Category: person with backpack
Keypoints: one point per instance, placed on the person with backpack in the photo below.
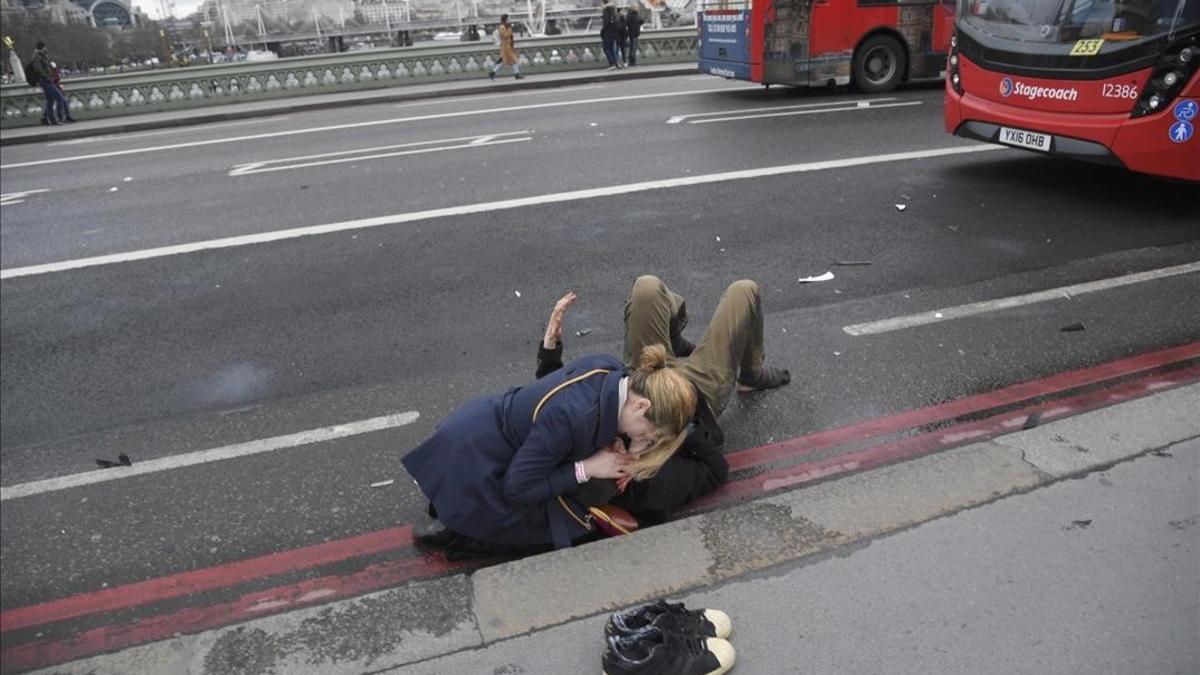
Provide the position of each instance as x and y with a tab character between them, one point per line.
39	73
633	27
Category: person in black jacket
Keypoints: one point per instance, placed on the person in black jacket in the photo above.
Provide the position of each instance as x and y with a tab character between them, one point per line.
56	110
608	34
622	39
633	24
731	350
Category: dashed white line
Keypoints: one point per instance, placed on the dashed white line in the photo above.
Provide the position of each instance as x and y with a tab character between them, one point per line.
9	198
743	111
205	456
361	154
974	308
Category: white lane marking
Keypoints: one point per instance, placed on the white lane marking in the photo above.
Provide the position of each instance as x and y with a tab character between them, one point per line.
353	125
511	94
486	207
807	112
342	156
212	455
971	309
822	104
165	132
9	198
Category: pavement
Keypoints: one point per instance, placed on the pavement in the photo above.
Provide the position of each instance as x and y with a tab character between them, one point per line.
249	110
1069	547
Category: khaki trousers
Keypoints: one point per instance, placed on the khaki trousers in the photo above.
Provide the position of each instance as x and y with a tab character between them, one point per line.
733	339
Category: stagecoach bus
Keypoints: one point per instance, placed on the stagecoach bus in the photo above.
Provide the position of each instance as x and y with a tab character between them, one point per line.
874	44
1108	81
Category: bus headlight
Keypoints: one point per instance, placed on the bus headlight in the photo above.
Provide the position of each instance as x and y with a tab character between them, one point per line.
1176	66
952	75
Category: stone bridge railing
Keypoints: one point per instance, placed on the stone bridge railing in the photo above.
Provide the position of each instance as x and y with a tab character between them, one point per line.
197	86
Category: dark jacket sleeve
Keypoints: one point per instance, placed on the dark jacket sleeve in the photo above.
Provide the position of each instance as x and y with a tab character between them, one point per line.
41	65
548	360
539	469
696	470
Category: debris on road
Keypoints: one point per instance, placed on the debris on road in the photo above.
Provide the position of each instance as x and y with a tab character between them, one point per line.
128	178
122	460
583	331
113	189
901	207
852	263
1032	421
518	293
383	483
1073	328
1078	524
820	277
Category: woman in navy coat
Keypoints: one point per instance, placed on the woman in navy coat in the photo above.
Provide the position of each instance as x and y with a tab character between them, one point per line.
495	468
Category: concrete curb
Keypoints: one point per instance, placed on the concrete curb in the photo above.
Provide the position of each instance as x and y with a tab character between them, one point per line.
300	105
428	619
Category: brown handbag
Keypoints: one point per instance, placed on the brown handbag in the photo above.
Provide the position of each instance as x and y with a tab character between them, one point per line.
609	519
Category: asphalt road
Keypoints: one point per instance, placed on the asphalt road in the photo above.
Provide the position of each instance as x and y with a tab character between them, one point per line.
170	354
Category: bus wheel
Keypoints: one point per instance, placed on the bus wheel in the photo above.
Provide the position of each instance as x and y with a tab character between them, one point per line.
879	65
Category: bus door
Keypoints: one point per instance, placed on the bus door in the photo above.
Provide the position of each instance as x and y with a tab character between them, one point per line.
727	28
831	47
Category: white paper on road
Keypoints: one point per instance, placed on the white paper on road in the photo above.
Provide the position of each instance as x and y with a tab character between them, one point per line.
828	276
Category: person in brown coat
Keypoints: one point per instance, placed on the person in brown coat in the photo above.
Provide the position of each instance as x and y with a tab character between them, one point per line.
508	54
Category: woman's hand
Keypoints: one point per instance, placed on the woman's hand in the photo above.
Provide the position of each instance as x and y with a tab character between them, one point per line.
607	462
554	326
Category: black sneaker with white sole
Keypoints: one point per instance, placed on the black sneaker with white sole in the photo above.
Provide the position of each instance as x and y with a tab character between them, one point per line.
702	622
654	651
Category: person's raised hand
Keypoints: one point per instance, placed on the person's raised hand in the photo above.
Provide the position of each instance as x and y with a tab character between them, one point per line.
554	325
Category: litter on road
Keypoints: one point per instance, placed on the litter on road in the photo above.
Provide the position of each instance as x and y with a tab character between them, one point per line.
383	483
851	263
583	331
1075	327
901	207
820	277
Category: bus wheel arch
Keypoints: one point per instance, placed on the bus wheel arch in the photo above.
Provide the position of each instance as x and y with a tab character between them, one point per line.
880	63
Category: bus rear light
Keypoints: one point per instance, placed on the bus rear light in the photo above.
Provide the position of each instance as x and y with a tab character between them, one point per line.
1177	66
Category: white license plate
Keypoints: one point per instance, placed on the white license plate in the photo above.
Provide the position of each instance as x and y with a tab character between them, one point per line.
1025	139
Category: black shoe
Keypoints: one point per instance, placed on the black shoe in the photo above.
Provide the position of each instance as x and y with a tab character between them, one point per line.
763	378
656	652
702	622
491	75
518	77
69	119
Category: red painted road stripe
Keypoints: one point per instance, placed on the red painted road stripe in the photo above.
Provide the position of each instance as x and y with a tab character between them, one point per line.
249	606
385	575
234	573
207	579
1010	395
916	446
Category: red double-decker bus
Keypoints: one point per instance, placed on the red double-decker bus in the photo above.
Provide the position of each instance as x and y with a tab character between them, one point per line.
874	44
1108	81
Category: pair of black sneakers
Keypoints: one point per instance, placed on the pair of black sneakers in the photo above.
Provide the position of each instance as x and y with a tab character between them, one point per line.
664	638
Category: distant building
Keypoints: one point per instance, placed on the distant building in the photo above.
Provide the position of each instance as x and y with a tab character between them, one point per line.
100	13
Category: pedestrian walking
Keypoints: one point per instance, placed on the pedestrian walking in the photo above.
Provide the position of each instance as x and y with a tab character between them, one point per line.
61	109
633	26
39	72
608	34
498	472
508	53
